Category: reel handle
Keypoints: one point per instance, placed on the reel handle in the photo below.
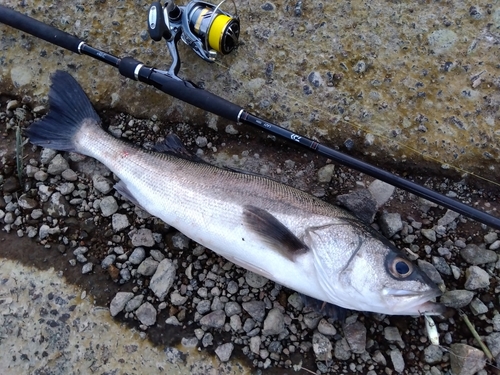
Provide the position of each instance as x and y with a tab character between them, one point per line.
157	26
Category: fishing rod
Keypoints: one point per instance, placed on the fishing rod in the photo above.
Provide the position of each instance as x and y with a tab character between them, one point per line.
208	30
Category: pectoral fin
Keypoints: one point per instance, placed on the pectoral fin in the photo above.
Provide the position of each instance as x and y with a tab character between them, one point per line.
272	231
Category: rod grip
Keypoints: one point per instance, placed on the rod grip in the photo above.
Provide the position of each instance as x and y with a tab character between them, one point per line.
39	29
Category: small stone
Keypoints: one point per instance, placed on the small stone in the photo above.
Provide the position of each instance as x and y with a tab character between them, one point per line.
490	237
201	141
47	154
493	342
87	268
466	360
477	278
137	255
397	360
391	334
311	320
148	267
119	222
142	237
255	280
231	308
207	339
457	298
119	301
180	241
256	309
342	350
134	303
108	206
69	175
360	203
108	261
255	344
381	191
448	217
224	351
296	301
430	234
57	165
235	323
355	333
433	354
390	223
478	307
322	347
496	322
163	279
274	323
430	271
495	245
325	328
474	255
102	184
325	173
203	306
26	202
441	265
230	129
177	299
146	314
215	319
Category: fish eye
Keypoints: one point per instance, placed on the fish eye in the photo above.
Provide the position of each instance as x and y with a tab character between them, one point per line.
401	267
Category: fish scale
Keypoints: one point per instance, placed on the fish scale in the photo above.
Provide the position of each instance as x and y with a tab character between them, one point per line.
273	229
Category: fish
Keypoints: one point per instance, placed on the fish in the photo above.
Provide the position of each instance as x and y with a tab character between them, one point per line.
269	228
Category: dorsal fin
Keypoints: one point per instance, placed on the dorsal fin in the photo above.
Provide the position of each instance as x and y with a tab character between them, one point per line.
172	145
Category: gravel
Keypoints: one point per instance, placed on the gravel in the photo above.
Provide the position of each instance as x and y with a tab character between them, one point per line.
166	277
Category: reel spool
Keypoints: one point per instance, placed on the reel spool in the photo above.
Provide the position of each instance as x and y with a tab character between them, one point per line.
203	26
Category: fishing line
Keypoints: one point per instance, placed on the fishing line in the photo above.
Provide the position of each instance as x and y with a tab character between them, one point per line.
323	111
202	19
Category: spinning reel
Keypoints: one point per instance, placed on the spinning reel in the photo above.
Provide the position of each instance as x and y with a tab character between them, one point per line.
204	27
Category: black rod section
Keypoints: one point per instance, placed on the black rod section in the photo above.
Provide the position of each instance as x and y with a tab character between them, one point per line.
207	101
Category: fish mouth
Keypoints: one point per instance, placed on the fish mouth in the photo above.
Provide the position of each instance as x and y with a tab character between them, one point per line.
409	302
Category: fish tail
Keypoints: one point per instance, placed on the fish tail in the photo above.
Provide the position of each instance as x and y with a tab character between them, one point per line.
69	107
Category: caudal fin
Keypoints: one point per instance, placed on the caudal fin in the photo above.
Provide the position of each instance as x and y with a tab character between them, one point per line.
69	107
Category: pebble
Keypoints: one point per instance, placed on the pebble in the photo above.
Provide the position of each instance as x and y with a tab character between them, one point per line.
255	280
137	255
102	184
490	237
69	175
134	303
215	319
274	323
57	165
433	354
478	307
119	301
493	342
390	223
46	155
163	279
430	271
180	241
391	334
87	268
142	237
355	333
256	309
224	351
108	206
146	313
322	347
147	267
475	255
397	360
119	222
231	308
325	173
457	298
342	350
360	203
326	328
430	234
296	301
441	265
177	299
311	320
255	344
477	278
496	322
381	191
448	217
466	360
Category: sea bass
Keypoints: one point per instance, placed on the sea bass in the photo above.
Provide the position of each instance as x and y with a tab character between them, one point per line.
272	229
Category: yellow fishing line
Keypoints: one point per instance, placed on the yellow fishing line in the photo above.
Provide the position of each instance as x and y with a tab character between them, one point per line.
359	127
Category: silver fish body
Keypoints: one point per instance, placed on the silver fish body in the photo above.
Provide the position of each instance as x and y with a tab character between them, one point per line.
269	228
